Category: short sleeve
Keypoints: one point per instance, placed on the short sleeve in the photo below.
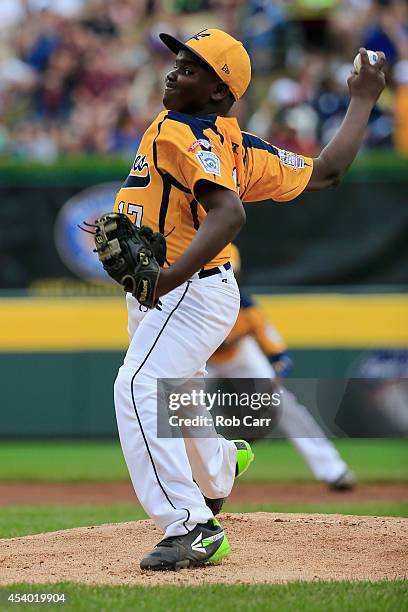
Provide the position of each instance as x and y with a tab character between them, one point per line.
189	157
273	173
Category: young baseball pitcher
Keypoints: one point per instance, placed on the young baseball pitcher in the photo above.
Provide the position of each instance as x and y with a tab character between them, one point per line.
193	170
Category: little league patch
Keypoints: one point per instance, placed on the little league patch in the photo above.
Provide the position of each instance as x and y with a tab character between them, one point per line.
210	162
291	159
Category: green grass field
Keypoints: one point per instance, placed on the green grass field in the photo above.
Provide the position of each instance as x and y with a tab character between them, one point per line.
372	460
308	597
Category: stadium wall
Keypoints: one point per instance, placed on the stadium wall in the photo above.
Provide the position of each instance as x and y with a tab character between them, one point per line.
59	356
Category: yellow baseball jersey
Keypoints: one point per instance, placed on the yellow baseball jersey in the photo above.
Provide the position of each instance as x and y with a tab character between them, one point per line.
178	150
250	322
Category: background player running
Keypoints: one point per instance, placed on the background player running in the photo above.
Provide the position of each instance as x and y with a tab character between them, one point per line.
255	349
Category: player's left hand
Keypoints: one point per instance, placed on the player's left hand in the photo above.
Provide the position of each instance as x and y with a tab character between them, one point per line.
282	364
132	256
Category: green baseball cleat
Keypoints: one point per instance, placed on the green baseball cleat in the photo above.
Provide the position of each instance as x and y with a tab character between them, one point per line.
206	543
245	456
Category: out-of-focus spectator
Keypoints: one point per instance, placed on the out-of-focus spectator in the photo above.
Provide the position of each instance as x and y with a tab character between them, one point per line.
66	8
87	75
34	141
388	16
264	29
12	12
16	73
287	119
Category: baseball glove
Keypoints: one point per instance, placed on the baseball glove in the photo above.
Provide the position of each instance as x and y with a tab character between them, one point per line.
132	256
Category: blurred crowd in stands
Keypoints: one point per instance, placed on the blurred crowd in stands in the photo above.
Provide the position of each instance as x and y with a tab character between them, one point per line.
86	76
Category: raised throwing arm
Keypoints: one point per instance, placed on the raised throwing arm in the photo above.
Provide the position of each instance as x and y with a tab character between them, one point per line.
334	160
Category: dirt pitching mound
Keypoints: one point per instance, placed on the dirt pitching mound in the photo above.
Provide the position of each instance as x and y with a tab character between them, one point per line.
266	548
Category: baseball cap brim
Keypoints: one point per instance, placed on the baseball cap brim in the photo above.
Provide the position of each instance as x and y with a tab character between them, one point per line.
176	45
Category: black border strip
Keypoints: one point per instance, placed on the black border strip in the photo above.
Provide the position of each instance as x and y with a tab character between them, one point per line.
137	414
164	205
175	182
194	214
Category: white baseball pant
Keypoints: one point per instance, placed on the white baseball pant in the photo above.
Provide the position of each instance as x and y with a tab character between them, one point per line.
175	342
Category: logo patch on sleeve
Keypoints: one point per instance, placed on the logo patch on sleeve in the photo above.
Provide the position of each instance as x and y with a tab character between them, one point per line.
210	162
291	159
201	142
204	144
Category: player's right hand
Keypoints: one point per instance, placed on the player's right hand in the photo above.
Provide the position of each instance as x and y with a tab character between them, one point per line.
370	81
166	282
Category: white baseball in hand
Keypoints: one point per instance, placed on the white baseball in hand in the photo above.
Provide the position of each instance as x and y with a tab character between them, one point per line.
372	56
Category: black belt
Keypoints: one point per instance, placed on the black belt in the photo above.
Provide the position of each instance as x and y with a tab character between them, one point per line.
212	271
